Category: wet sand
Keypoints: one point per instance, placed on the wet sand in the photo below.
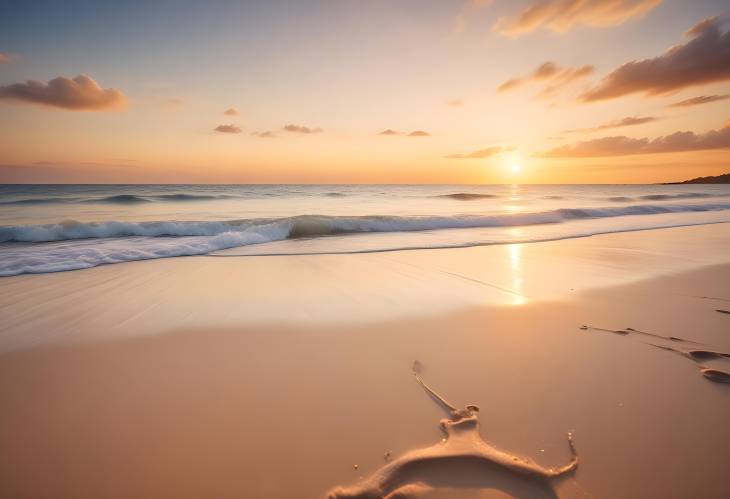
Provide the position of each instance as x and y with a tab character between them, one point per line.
255	407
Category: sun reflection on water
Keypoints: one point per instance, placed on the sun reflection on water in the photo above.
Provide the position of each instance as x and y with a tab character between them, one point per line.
514	199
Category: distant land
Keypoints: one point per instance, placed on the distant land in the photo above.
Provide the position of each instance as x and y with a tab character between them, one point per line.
719	179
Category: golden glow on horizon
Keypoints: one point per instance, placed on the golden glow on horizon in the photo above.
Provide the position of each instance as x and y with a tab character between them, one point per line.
251	123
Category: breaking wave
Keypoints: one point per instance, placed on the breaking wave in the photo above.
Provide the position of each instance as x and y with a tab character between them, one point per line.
323	225
72	245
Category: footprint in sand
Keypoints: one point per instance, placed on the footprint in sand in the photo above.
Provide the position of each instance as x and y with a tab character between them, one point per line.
695	354
463	449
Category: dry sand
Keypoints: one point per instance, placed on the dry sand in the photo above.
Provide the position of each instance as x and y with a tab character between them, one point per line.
114	383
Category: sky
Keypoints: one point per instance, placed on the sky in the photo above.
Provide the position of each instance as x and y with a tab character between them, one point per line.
364	91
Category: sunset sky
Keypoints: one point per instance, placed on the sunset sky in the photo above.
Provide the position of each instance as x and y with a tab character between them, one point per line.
559	91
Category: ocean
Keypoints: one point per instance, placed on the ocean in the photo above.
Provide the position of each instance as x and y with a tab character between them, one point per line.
52	228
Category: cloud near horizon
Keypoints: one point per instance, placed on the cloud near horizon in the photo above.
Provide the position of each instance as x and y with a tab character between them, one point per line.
703	59
415	133
626	146
629	121
551	75
268	134
701	99
81	93
482	153
231	111
301	129
227	129
560	16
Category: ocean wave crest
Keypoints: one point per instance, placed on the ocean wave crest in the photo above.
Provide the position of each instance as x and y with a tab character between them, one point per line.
324	225
123	199
31	201
664	197
72	245
467	196
76	255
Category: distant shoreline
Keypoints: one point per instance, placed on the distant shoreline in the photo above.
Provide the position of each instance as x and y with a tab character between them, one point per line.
719	179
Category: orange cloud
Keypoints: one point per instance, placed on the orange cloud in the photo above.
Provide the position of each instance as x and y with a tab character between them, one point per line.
227	129
389	132
483	153
6	58
456	103
81	93
625	146
703	59
630	121
702	99
563	15
551	75
231	111
301	129
419	133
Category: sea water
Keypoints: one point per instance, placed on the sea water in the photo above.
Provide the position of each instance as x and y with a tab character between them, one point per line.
51	228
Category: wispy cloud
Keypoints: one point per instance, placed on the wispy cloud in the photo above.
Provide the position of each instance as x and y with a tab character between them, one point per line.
630	121
624	146
175	101
552	77
703	59
415	133
227	129
702	99
482	153
455	103
81	93
468	7
6	57
231	111
544	71
301	129
560	16
264	135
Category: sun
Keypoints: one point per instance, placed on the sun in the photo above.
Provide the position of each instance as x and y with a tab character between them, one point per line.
513	162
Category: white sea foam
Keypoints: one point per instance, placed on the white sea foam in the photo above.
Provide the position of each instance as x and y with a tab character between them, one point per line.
74	245
86	253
